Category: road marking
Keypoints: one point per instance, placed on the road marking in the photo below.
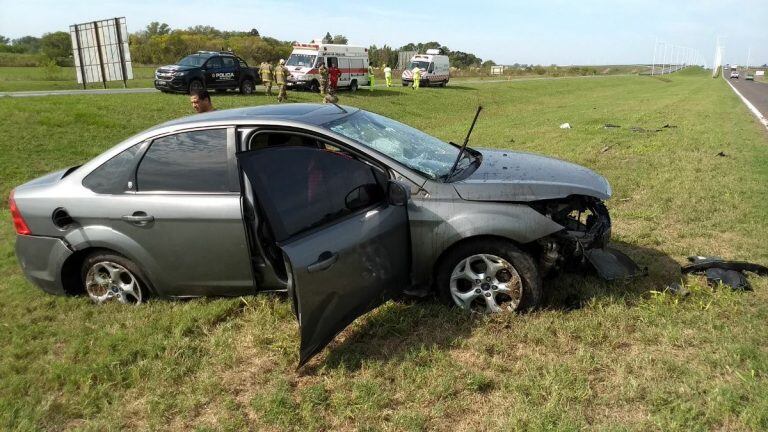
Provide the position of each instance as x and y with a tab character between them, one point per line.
749	105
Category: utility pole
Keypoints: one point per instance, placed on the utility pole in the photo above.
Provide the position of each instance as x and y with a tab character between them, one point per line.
653	67
749	54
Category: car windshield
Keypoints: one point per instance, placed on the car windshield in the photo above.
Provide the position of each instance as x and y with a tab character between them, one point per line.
411	147
196	60
419	64
301	60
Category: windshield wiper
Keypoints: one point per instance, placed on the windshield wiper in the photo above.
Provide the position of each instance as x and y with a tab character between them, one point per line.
464	145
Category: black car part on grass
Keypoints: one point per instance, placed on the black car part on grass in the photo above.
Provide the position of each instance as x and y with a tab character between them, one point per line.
729	273
613	264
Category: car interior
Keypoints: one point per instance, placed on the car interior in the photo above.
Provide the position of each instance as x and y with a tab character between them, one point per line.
313	175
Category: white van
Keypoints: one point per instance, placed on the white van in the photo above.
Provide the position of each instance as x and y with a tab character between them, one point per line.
305	60
435	69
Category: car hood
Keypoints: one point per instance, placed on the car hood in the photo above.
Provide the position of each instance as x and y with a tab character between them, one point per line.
174	68
520	177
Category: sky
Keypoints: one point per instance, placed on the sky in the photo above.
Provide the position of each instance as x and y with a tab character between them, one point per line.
582	32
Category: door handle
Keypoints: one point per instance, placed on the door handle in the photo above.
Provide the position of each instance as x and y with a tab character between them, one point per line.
138	218
324	262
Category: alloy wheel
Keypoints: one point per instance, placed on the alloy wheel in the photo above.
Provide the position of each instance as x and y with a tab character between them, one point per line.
486	283
107	281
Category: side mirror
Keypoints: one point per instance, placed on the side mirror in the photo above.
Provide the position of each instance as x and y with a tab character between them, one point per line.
398	193
363	196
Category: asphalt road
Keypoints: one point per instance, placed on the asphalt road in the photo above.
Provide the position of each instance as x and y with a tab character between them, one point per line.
755	92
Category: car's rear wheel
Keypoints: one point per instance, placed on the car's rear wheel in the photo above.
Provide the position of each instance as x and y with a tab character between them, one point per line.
489	276
110	277
314	86
353	86
246	87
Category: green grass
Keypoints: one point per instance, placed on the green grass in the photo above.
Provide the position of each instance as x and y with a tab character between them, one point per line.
63	78
630	358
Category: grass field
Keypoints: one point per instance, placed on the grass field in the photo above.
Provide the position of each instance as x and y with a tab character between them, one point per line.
601	356
63	78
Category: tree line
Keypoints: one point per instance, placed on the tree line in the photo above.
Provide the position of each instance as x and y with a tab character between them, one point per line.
158	43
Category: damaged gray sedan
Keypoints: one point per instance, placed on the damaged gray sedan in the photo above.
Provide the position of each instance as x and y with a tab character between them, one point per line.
340	207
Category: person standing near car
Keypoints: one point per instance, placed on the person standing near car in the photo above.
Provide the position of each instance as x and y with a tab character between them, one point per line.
281	76
334	73
266	77
323	71
416	77
388	75
201	101
371	77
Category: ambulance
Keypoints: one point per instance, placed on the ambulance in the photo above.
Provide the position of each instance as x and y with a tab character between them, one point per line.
305	61
435	69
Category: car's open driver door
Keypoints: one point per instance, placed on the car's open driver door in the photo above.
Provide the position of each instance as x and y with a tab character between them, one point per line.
341	267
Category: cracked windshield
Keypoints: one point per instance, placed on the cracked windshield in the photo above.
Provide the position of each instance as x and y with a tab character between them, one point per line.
411	147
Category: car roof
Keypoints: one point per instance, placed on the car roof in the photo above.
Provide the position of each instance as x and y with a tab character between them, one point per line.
306	113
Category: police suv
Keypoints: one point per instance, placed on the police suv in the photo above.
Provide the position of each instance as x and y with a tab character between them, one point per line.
212	70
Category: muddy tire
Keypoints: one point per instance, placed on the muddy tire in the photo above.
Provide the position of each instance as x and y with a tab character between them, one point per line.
109	277
489	275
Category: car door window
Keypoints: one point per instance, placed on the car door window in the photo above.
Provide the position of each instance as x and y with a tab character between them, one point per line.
214	63
193	161
308	187
114	176
228	62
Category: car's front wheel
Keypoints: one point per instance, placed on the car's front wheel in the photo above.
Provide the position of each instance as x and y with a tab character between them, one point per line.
489	276
110	277
196	86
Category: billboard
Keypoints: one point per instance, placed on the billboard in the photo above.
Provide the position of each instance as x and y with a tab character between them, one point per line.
101	53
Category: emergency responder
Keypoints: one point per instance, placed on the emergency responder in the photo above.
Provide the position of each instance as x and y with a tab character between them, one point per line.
266	77
323	78
281	76
371	77
388	75
333	84
334	73
416	77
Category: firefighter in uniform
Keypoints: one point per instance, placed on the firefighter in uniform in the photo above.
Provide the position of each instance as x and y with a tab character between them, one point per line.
281	75
323	79
388	75
371	77
416	77
266	77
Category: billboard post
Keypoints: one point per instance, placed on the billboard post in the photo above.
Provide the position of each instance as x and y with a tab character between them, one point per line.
101	52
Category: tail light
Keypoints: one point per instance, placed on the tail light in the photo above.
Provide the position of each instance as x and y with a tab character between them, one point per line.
18	221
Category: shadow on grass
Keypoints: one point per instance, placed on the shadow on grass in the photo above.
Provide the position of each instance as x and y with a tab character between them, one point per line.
398	331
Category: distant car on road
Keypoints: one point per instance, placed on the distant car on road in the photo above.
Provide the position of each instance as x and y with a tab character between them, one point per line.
749	77
735	74
211	70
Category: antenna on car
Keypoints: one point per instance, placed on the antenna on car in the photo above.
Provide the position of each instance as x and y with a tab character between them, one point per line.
466	140
339	107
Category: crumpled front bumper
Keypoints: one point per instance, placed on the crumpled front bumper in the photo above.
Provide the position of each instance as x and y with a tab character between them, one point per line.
41	260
